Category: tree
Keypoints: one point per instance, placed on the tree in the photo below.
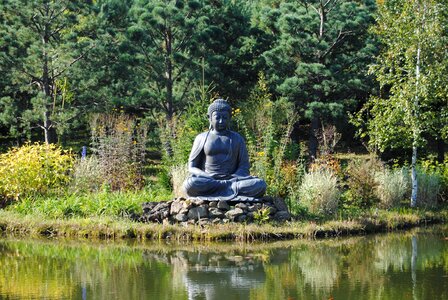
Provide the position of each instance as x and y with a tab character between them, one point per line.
318	57
411	70
232	50
167	36
39	42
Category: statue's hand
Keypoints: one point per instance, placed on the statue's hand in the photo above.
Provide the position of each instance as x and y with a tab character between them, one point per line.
236	177
219	176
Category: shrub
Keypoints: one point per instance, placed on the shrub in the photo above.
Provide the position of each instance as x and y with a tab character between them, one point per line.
119	144
34	169
361	181
431	166
392	186
319	192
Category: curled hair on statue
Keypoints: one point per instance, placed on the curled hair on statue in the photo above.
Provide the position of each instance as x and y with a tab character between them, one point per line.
219	105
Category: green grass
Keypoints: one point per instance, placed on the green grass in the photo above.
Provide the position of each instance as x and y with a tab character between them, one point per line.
102	204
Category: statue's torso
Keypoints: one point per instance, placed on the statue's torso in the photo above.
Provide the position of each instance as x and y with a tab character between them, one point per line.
218	154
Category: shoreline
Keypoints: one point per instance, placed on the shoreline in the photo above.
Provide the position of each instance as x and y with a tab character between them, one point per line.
106	228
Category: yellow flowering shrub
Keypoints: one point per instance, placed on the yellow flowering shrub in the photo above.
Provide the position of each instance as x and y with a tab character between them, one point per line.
33	169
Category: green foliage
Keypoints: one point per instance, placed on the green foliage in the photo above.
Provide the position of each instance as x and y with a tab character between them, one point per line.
319	192
41	42
318	54
117	204
34	169
266	126
439	169
181	130
411	70
433	182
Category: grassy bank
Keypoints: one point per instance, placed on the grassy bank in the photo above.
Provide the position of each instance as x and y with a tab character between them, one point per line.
106	228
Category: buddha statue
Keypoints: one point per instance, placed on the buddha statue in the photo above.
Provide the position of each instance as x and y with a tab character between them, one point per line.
219	162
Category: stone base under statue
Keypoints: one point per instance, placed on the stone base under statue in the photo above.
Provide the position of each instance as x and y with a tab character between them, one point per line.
215	211
234	199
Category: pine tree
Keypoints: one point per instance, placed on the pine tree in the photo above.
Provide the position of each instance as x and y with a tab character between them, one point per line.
318	56
40	39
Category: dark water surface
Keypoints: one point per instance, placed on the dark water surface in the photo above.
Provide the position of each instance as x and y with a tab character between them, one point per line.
405	265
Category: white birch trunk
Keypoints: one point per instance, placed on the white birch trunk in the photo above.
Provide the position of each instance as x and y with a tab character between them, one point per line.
415	134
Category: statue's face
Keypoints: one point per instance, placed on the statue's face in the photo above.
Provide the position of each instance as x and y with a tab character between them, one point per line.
219	120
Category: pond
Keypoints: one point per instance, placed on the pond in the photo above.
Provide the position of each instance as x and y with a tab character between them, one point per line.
404	265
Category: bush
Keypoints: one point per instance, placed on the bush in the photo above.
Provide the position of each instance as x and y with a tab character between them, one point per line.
431	166
319	192
34	169
392	186
119	143
362	183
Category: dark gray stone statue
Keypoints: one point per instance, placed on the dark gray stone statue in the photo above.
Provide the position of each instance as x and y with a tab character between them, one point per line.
219	163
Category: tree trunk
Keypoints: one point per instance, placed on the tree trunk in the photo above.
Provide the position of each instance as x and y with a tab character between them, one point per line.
313	142
416	132
414	177
47	86
169	92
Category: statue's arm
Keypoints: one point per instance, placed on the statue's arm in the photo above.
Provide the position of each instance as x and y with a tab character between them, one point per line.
196	157
243	160
193	169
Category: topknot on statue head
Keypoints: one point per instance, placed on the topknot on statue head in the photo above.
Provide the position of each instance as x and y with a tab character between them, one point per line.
219	105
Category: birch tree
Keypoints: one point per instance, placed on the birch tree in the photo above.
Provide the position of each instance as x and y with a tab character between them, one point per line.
411	70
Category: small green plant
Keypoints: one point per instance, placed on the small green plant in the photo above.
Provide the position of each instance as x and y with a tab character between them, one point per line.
34	169
262	215
319	192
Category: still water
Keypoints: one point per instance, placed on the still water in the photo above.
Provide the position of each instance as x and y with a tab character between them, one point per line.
406	265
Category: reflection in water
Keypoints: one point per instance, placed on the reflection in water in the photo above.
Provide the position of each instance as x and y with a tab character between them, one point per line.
411	265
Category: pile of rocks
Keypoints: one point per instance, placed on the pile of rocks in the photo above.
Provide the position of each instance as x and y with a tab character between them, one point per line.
193	211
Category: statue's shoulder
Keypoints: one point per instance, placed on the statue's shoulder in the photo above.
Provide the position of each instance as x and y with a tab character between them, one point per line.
202	136
236	136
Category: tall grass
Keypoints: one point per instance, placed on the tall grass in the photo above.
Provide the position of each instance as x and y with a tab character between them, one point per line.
178	175
87	176
319	192
429	187
392	186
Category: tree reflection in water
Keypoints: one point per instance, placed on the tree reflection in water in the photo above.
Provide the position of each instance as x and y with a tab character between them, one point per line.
411	265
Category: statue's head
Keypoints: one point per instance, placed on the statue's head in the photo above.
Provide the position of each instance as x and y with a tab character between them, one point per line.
219	113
